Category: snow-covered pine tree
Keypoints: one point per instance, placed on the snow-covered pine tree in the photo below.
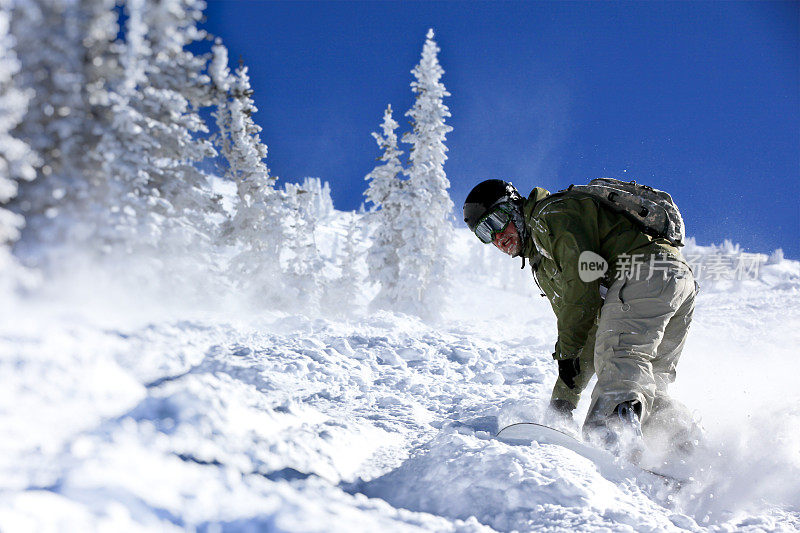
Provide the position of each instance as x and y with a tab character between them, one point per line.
16	157
256	226
425	258
351	276
240	145
161	204
65	51
342	296
320	192
125	147
167	104
384	193
304	268
278	261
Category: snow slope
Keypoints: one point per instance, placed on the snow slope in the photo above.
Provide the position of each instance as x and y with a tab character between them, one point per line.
118	414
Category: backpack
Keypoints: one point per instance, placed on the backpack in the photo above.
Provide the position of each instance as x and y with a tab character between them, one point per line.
653	210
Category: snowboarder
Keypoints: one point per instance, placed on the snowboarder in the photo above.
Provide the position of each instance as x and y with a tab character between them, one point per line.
623	300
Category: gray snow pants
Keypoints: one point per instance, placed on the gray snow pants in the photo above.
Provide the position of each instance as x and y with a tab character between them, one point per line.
640	334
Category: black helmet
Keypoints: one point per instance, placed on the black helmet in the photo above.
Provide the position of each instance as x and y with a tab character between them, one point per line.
485	195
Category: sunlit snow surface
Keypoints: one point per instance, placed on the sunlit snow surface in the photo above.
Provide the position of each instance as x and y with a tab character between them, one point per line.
129	417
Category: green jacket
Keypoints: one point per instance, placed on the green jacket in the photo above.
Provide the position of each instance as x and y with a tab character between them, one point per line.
560	228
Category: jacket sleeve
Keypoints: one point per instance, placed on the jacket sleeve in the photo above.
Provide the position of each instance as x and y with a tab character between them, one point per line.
563	230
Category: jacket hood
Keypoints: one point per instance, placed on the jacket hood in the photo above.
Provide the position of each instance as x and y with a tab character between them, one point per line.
529	249
538	193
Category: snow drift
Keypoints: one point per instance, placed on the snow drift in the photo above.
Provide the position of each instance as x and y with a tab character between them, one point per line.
121	412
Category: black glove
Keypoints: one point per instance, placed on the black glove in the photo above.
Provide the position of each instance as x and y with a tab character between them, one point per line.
562	408
568	369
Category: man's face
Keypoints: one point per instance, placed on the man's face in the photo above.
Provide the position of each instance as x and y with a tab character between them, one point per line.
508	240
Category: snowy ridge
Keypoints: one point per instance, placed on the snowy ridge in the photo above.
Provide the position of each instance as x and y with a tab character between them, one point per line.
193	419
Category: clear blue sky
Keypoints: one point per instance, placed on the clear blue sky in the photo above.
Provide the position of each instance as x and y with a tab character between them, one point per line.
701	99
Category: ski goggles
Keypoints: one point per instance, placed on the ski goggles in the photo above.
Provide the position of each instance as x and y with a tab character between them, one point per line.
496	221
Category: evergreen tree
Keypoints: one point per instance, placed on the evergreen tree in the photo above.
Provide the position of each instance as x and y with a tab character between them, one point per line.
342	296
168	101
351	278
257	225
16	157
239	144
278	261
303	273
321	193
124	148
427	233
384	193
65	51
160	199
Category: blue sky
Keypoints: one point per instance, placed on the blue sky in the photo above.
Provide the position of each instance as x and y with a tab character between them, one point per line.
701	99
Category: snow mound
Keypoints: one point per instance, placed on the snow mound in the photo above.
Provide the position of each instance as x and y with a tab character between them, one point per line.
515	488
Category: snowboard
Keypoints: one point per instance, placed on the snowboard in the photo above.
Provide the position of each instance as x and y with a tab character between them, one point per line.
526	433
